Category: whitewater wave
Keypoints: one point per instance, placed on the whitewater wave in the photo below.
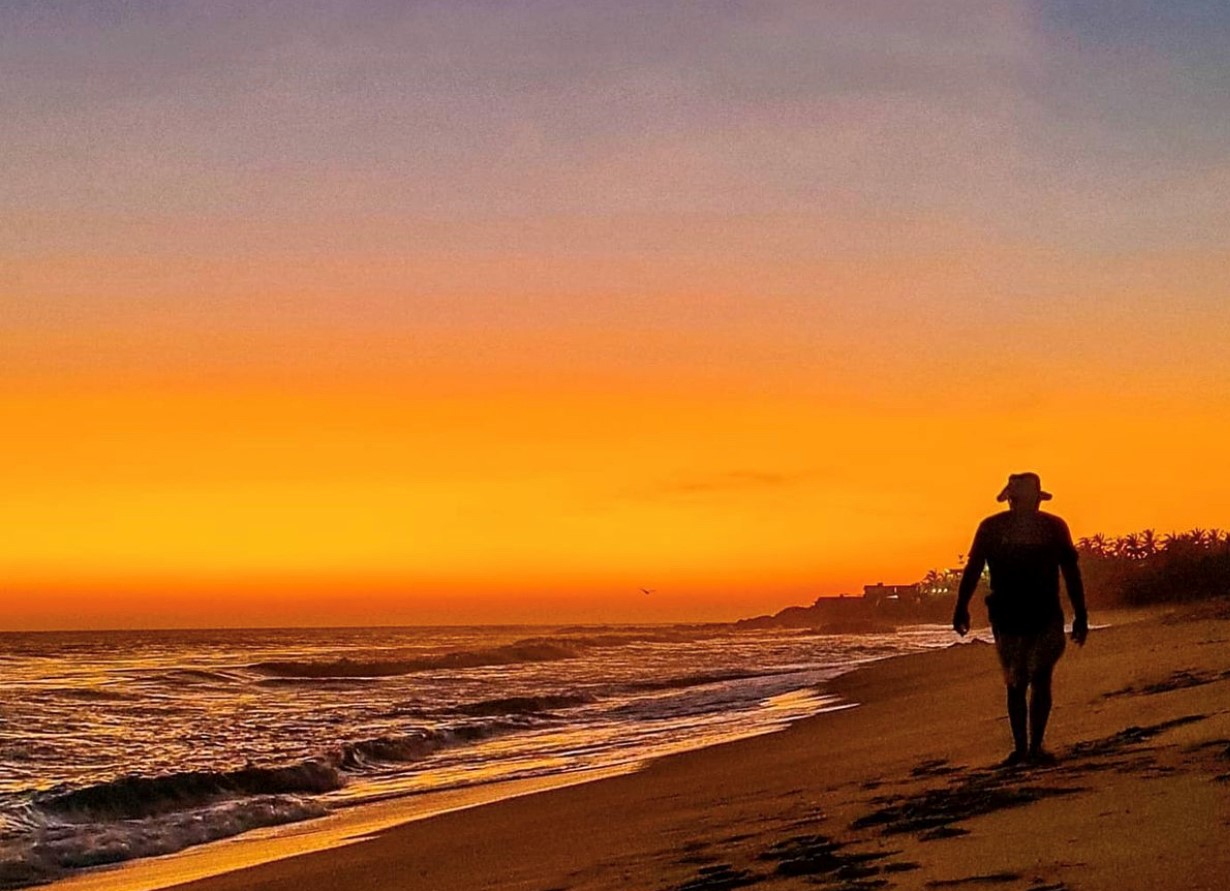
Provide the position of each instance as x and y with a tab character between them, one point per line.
419	744
137	816
137	797
50	849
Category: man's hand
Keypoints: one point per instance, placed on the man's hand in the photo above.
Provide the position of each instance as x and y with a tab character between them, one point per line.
960	620
1080	630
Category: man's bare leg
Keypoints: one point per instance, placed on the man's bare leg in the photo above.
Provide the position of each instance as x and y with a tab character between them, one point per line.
1039	713
1017	710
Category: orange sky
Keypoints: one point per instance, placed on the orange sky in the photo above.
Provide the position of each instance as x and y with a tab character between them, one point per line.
743	352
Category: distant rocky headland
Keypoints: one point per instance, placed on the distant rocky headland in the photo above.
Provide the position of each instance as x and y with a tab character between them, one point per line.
881	608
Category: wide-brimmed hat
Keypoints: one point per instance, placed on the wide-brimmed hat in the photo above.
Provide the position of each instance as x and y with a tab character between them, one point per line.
1023	485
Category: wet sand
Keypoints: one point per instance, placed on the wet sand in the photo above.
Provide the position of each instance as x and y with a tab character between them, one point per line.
900	792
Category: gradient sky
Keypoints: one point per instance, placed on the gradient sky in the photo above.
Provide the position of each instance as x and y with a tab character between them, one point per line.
367	312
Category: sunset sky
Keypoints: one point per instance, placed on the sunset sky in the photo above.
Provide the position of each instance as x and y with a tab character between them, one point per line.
437	312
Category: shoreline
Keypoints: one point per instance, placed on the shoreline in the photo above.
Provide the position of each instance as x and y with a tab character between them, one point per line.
352	822
272	754
1139	749
341	827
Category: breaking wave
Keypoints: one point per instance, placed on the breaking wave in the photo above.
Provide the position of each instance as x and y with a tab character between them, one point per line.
138	816
136	797
50	849
419	744
191	676
140	797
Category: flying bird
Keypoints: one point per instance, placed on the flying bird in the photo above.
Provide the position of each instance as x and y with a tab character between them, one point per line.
647	590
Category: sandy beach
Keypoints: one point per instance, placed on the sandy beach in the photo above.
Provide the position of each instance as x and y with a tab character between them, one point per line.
899	792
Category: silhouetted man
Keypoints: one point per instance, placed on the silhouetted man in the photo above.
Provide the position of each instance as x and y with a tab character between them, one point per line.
1026	549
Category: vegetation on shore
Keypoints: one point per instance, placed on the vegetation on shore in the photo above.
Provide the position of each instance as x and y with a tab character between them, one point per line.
1144	567
1137	568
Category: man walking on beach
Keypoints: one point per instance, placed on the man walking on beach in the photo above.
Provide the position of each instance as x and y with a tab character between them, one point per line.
1026	549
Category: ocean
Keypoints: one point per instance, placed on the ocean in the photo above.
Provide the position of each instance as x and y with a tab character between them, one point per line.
121	745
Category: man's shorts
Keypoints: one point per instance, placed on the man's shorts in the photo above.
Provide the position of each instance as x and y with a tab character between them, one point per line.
1028	656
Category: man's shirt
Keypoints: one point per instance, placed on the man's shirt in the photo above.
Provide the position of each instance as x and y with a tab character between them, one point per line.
1025	553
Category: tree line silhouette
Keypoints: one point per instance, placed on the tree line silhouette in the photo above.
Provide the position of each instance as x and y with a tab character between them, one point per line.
1145	567
1135	569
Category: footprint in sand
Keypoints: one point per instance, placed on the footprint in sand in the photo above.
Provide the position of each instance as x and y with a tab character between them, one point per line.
721	877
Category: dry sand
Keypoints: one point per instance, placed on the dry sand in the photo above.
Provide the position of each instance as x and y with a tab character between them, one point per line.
900	792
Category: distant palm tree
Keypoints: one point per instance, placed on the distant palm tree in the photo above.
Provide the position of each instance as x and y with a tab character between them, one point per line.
1131	547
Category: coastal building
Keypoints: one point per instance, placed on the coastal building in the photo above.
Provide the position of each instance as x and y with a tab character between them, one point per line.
880	593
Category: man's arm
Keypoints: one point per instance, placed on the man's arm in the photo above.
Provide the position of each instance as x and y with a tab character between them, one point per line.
1070	566
969	582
